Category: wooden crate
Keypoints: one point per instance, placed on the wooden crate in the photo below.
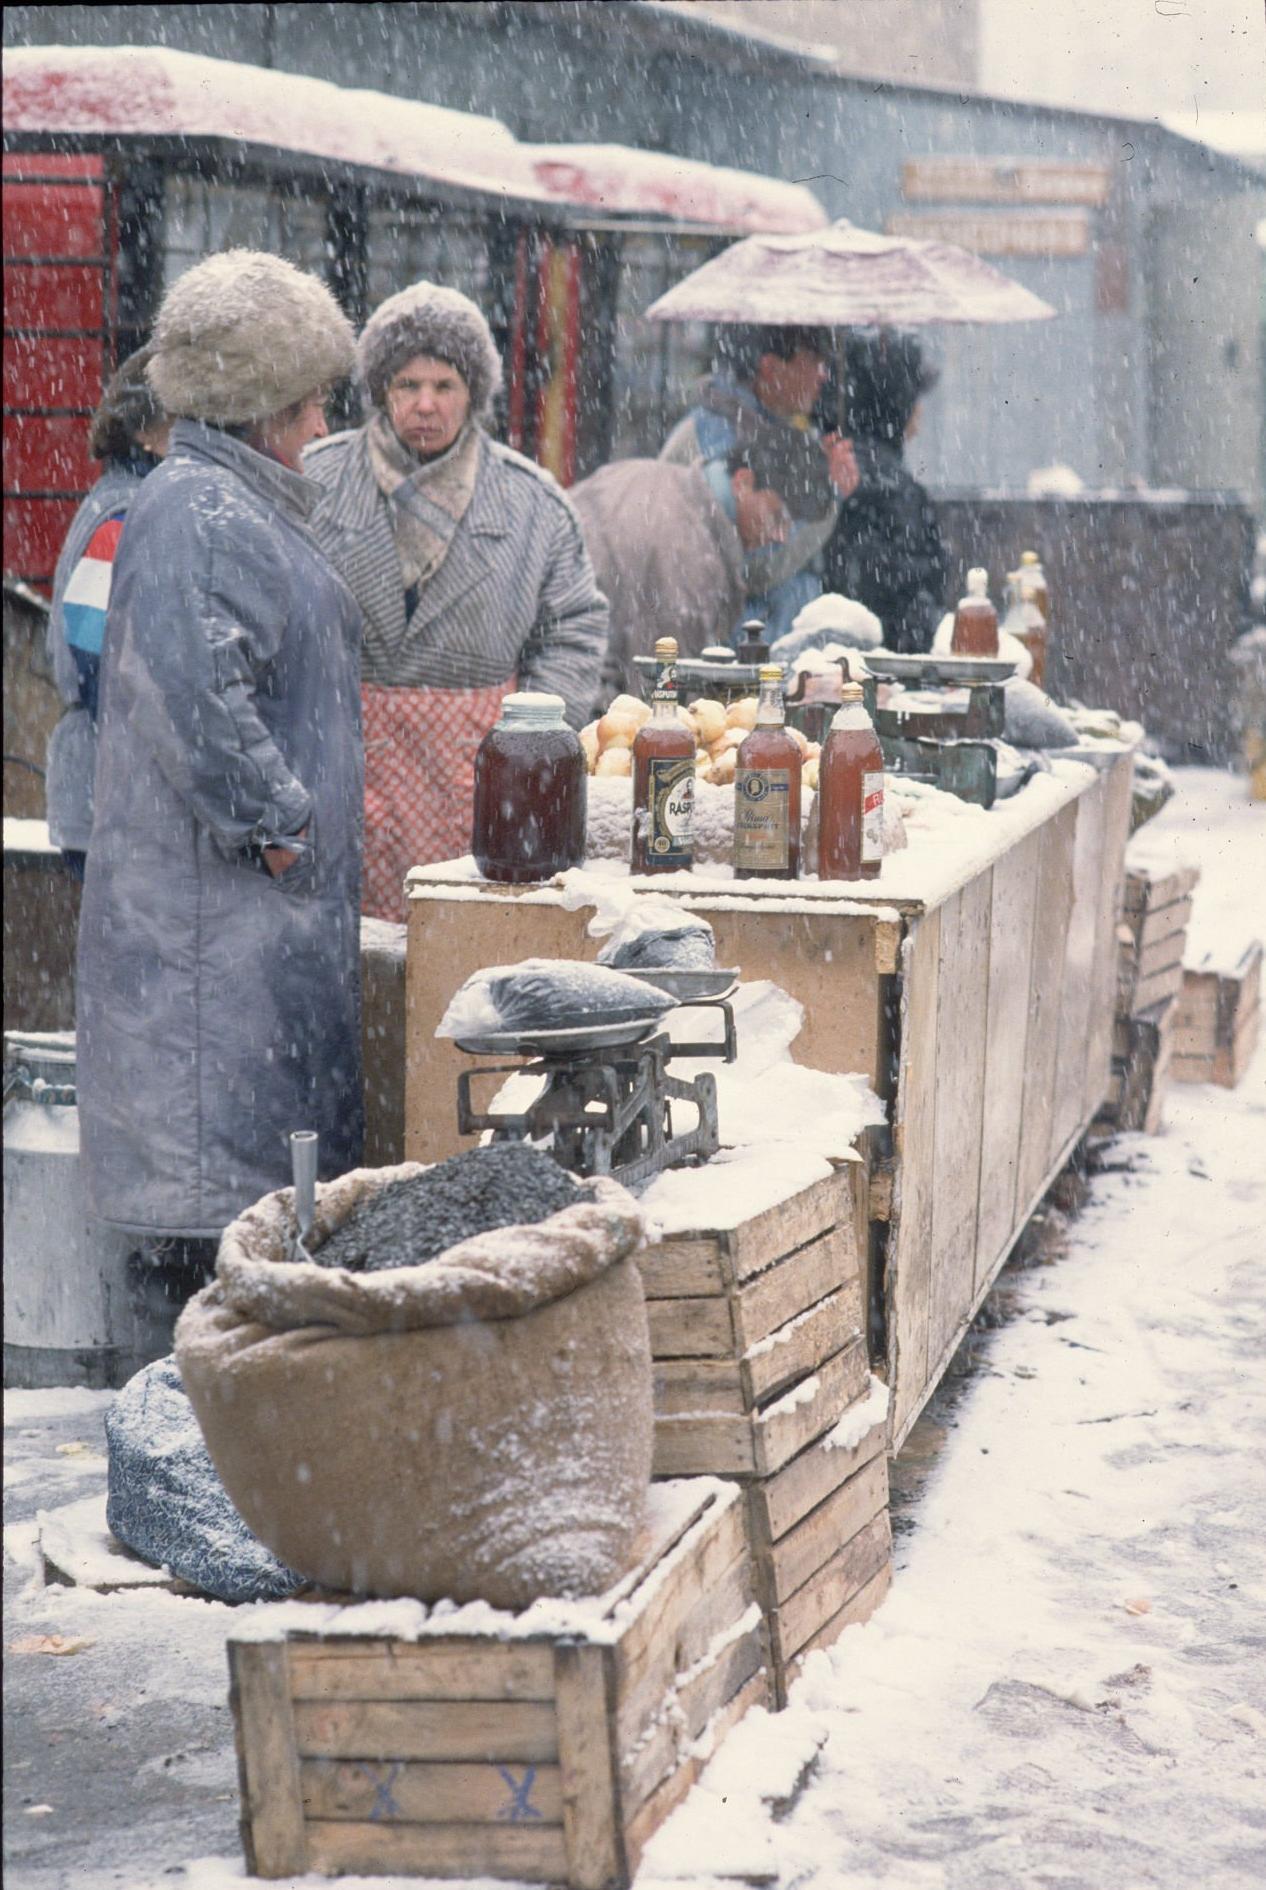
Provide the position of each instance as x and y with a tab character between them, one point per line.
1217	1019
756	1335
547	1755
1152	936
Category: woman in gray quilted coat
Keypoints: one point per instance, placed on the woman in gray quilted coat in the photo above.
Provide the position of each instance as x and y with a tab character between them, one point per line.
470	567
218	991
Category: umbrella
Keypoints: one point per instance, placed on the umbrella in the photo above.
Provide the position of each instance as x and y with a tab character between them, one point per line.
845	277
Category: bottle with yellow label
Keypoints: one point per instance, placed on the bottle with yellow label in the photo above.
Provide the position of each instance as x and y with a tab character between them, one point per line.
767	791
663	777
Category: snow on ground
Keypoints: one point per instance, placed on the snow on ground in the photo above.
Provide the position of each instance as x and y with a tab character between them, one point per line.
1066	1687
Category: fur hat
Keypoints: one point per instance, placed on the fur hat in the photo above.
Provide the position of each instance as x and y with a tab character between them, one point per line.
428	319
128	406
245	335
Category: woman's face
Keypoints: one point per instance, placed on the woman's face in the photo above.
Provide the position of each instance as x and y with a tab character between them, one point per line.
286	434
427	405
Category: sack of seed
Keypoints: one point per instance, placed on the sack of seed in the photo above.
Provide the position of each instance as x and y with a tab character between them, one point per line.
472	1422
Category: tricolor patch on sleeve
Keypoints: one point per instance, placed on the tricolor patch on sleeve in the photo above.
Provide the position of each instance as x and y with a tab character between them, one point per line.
87	596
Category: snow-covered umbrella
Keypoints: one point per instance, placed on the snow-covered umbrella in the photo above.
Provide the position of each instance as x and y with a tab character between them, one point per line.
846	277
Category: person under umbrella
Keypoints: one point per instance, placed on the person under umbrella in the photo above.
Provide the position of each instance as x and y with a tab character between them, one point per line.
886	549
468	562
129	434
218	978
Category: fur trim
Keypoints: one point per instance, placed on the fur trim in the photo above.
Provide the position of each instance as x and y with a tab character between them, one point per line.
428	319
243	336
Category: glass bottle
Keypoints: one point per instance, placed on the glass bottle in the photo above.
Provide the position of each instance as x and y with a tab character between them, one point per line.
531	793
1036	599
976	620
767	790
663	777
851	793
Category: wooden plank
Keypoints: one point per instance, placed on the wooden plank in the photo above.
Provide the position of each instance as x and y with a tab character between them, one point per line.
859	1609
800	1415
703	1445
821	1598
789	1564
433	1670
1146	927
1013	903
532	1853
1155	988
1118	785
585	1693
796	1348
664	1745
908	1273
396	1791
781	1230
793	1285
272	1801
691	1386
687	1268
1078	993
644	1824
1147	888
657	1619
778	1503
1054	904
961	1026
691	1328
643	1694
1159	955
493	1730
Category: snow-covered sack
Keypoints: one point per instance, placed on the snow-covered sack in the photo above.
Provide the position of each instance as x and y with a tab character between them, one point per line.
1030	718
166	1503
650	933
548	994
829	618
478	1427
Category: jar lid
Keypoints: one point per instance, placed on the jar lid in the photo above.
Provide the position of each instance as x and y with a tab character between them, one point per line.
527	709
718	653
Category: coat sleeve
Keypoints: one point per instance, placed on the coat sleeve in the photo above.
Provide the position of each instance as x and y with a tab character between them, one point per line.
197	615
564	650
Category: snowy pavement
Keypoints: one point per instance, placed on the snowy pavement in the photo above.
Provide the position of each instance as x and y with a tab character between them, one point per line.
1066	1687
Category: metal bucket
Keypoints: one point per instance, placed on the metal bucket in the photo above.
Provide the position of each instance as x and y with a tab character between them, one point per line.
73	1314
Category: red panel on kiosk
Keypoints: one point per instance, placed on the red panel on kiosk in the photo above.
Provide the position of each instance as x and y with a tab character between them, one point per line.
52	371
53	164
47	453
33	534
61	220
53	295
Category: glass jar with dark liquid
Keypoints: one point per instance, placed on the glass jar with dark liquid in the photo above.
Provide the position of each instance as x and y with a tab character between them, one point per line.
531	793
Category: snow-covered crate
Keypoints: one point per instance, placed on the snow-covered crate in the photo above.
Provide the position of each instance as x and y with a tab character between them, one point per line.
1217	1019
756	1333
545	1746
760	1371
1152	936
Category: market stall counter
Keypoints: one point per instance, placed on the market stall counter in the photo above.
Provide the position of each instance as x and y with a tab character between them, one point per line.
972	983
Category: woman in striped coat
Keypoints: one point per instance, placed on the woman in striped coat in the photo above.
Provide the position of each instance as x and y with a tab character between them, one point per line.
469	566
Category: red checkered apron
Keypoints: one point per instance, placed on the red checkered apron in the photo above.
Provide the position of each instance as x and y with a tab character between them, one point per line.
419	781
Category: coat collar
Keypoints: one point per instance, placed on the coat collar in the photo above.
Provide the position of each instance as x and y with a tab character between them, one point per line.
292	492
356	501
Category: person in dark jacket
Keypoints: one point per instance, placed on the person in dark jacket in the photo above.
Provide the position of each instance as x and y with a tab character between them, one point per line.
218	987
886	549
129	434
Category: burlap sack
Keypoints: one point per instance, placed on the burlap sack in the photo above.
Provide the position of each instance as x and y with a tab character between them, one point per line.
478	1427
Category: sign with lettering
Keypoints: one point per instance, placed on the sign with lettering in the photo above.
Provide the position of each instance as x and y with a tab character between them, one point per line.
1003	180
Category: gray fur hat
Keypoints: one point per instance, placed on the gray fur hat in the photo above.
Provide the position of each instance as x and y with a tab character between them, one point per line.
244	335
428	319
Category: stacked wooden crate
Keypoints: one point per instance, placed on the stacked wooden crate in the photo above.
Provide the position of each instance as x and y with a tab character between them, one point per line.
547	1747
1216	1019
759	1357
1151	939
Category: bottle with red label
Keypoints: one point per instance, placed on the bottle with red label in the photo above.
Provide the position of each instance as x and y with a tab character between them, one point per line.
767	790
663	777
851	793
975	620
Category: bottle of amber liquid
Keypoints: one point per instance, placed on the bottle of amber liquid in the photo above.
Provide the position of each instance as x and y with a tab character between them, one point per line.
531	788
1036	599
851	793
767	791
976	620
663	777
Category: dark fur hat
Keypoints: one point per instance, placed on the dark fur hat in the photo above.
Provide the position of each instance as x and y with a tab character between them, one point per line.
429	319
